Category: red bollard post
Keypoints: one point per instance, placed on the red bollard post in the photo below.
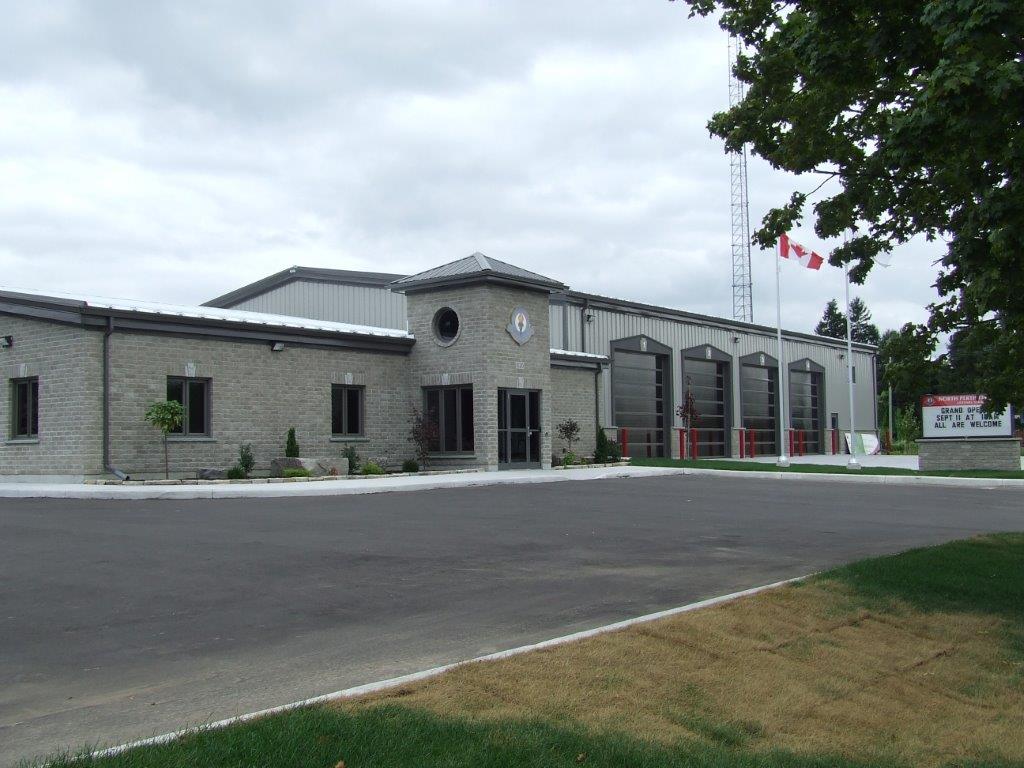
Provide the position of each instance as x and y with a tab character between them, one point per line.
803	442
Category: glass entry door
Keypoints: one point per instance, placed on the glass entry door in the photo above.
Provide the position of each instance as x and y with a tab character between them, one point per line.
518	428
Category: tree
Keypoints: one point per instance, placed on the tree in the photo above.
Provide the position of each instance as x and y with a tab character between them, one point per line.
861	328
291	445
833	321
165	415
569	431
423	434
914	111
905	362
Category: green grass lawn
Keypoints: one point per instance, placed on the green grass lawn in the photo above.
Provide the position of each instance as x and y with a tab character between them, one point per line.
820	469
965	598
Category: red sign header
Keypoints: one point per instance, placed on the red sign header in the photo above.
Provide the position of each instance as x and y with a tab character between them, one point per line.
931	401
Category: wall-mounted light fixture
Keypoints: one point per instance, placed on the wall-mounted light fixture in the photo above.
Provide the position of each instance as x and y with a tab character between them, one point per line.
842	355
6	342
735	339
590	317
277	346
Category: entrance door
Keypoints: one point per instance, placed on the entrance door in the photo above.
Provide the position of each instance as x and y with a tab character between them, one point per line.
518	428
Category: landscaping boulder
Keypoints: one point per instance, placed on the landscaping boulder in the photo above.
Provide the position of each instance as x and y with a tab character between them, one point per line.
315	467
209	473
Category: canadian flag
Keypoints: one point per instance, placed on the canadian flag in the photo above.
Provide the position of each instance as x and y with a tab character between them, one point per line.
806	257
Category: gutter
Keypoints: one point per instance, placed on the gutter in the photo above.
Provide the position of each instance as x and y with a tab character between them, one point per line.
107	465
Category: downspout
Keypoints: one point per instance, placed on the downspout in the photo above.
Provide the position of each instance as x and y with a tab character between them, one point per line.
107	332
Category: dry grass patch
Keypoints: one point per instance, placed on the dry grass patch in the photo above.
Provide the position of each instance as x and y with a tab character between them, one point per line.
805	668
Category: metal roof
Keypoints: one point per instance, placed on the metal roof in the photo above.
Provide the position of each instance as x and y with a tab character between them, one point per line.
315	274
79	302
472	268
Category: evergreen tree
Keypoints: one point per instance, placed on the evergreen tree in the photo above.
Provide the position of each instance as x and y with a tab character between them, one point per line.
833	321
863	329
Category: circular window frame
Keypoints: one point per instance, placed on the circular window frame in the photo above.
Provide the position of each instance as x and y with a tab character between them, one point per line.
438	338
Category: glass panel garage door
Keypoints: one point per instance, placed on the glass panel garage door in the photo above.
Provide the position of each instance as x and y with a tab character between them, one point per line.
638	392
758	389
707	380
805	406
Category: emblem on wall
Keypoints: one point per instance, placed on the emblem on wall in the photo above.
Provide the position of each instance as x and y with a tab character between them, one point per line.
519	326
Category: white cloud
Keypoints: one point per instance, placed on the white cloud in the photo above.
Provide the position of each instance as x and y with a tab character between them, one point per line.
176	151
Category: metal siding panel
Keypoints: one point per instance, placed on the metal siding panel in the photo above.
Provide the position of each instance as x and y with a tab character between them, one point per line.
364	305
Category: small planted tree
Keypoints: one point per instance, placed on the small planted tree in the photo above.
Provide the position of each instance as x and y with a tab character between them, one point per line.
569	431
165	415
246	460
291	445
423	433
688	412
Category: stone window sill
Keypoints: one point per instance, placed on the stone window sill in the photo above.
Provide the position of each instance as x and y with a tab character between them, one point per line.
464	456
349	439
191	439
22	441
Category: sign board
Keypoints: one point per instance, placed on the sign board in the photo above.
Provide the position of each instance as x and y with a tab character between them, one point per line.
962	416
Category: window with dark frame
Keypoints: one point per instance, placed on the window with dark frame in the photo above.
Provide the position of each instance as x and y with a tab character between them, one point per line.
451	409
194	396
347	410
25	408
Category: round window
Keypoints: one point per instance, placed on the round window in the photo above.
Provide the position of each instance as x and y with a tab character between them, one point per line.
446	325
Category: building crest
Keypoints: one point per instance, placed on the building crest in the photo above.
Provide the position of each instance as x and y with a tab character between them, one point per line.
519	327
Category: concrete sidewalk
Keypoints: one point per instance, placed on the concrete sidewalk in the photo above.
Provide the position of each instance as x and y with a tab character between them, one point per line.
383	484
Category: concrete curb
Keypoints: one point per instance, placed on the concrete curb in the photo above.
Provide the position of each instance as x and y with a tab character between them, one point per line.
830	477
337	488
395	682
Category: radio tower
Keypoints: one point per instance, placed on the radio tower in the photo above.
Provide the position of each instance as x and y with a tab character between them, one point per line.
742	292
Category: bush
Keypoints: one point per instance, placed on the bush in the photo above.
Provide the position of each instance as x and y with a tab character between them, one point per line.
372	468
605	451
423	433
236	473
353	459
291	446
246	460
410	465
570	458
295	472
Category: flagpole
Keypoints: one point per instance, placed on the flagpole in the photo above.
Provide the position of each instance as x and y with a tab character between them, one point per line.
852	463
783	460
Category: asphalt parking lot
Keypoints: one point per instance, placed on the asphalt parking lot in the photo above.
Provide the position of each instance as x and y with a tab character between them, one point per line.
124	619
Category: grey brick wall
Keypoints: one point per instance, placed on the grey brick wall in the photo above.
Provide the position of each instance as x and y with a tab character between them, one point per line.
981	453
484	355
573	397
67	360
256	396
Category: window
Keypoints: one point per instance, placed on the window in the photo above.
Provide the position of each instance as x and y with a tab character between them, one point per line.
25	408
451	409
346	410
446	326
194	396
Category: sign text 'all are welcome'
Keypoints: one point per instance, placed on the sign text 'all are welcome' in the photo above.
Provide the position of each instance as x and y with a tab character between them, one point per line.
962	416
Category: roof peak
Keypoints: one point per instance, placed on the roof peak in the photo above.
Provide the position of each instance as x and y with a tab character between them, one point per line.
474	268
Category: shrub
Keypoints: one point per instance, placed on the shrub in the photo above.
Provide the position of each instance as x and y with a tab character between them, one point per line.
569	430
291	445
353	459
605	451
410	465
236	473
423	433
295	472
570	458
246	461
372	468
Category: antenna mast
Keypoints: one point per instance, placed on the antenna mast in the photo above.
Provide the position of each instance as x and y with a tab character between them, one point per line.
742	291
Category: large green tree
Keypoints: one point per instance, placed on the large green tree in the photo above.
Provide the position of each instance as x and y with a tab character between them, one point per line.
833	322
911	115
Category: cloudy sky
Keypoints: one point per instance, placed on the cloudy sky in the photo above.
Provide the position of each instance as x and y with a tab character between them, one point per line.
175	151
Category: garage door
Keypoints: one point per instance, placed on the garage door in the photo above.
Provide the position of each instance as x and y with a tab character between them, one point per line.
638	393
758	391
708	380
